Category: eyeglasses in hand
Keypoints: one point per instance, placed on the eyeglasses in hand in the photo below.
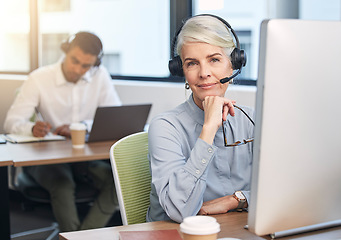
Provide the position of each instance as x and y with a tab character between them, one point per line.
238	143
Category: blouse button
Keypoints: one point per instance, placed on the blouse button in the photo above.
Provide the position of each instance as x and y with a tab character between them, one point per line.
203	160
197	171
210	150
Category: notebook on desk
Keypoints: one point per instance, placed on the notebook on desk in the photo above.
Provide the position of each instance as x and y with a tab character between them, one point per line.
17	138
113	123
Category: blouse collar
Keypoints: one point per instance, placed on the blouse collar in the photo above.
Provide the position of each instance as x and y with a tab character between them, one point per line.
194	111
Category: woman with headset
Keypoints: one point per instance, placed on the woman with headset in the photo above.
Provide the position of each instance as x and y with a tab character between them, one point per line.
200	152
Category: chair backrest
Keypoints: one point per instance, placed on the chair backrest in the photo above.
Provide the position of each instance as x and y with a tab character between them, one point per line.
130	166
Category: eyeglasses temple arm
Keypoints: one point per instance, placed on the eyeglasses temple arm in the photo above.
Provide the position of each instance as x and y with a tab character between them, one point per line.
222	125
245	114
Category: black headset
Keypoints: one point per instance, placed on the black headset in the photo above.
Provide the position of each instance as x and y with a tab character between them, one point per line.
238	56
65	46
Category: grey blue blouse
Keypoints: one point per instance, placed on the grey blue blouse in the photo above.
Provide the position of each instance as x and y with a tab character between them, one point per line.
187	171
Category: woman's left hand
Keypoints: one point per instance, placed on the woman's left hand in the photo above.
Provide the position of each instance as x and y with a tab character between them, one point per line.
218	205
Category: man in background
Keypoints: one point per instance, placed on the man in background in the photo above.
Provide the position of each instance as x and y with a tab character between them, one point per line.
66	92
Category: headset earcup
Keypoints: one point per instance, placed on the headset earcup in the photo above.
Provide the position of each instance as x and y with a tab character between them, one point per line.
98	61
65	46
238	58
175	67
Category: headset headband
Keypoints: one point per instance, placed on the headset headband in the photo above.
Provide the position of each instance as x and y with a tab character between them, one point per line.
175	39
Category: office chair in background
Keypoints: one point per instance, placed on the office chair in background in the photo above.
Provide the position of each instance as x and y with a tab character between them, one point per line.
34	193
132	177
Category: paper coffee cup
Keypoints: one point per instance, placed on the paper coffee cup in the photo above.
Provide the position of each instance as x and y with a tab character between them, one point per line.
78	131
200	228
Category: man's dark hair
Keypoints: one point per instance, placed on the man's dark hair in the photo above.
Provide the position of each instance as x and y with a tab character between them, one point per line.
87	41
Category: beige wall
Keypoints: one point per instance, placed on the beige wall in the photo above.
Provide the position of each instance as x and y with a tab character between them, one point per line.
163	96
8	87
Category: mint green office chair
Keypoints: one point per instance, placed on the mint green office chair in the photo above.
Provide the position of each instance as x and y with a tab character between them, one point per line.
132	177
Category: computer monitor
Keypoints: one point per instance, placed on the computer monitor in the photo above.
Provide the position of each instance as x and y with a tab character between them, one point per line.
296	175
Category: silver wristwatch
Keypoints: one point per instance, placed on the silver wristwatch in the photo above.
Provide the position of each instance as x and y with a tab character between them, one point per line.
239	196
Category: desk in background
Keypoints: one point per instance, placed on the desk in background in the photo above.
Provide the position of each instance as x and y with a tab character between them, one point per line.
231	224
5	156
40	153
5	160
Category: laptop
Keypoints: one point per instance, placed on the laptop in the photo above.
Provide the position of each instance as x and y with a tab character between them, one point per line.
113	123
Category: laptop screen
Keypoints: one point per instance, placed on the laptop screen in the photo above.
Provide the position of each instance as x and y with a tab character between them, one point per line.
113	123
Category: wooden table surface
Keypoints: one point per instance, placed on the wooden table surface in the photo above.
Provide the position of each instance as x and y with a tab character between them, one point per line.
39	153
231	224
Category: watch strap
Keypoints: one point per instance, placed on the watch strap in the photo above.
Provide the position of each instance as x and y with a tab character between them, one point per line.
241	202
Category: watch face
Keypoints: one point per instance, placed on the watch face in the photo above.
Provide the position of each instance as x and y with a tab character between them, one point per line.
239	195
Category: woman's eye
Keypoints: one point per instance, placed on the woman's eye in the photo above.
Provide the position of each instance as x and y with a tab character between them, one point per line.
215	60
190	64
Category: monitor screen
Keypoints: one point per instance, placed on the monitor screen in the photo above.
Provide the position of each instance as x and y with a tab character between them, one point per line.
296	176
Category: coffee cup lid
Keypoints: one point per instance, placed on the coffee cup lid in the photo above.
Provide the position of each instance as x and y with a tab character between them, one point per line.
77	126
200	225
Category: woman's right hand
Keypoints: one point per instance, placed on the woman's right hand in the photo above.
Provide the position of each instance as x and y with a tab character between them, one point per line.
216	109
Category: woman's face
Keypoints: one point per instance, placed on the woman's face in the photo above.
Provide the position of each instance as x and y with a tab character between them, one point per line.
204	65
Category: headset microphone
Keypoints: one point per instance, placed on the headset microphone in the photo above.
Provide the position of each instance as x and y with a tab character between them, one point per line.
227	79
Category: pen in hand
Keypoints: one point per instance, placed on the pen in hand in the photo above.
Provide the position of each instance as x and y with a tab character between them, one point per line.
41	128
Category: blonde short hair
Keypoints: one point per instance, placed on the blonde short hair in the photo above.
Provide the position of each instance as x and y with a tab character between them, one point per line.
207	29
